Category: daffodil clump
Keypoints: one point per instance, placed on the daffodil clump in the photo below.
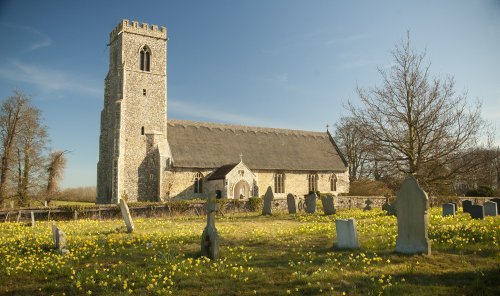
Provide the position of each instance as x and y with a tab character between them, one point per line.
273	255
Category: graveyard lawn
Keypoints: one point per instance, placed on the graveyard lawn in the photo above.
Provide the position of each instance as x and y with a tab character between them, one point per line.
264	255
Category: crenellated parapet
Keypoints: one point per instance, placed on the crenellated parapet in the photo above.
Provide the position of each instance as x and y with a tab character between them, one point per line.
135	28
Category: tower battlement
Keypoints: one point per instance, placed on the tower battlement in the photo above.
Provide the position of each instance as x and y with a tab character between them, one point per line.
136	28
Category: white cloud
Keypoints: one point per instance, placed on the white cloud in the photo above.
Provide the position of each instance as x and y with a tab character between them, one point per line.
41	39
47	80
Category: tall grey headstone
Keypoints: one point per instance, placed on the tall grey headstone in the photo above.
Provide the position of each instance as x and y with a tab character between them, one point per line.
268	202
466	204
126	215
413	221
210	237
448	209
497	201
328	204
347	237
293	203
311	203
32	219
476	212
456	207
490	208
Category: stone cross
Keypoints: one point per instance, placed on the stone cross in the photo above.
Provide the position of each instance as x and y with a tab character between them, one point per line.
59	238
368	206
490	208
347	237
268	202
413	221
293	203
476	212
311	203
448	209
328	204
126	215
210	237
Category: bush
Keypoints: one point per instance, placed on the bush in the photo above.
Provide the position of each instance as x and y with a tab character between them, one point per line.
369	188
254	204
480	192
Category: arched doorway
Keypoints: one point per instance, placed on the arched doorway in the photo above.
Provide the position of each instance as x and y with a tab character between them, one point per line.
241	190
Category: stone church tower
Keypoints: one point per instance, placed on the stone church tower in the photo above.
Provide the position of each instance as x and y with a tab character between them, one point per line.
133	148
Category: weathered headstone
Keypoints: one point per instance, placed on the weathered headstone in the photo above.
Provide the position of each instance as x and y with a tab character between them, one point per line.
490	208
476	212
456	207
293	203
126	215
328	204
268	202
448	209
466	204
59	238
45	203
210	237
32	219
347	237
413	221
311	203
497	201
368	206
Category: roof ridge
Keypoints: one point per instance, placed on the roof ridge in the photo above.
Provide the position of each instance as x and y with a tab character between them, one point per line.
234	127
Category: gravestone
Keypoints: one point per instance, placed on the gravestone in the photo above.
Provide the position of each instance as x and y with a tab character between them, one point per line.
328	204
347	237
268	202
466	204
59	238
368	206
490	208
448	209
311	203
32	219
45	203
476	212
413	221
456	207
293	203
497	201
210	237
126	215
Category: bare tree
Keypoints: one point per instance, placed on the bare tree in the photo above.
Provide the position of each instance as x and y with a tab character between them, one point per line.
11	111
55	170
418	123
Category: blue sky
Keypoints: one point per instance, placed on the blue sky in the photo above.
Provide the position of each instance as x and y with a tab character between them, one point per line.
290	64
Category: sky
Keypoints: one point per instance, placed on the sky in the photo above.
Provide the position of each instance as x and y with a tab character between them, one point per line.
286	64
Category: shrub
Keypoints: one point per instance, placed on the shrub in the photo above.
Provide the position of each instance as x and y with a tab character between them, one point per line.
369	187
481	191
254	204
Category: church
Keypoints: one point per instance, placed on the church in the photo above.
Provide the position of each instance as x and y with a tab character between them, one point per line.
143	156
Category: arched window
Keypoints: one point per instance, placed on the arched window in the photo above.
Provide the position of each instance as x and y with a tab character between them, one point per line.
198	183
145	59
313	182
279	183
333	182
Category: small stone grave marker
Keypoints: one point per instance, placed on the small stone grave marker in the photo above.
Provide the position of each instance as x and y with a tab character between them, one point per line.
412	205
59	238
311	203
268	202
126	215
497	201
490	208
347	237
456	207
293	203
466	204
476	212
448	209
210	237
32	219
328	204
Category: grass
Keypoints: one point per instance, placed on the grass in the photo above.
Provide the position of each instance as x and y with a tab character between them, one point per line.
279	255
70	203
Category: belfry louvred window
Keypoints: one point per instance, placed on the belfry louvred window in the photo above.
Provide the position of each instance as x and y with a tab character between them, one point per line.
145	62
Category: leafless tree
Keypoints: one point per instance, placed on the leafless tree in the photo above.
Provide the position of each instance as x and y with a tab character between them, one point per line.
418	122
55	170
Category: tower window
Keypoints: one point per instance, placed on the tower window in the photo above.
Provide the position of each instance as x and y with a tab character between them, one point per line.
198	183
144	92
333	182
279	183
142	131
313	182
145	59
